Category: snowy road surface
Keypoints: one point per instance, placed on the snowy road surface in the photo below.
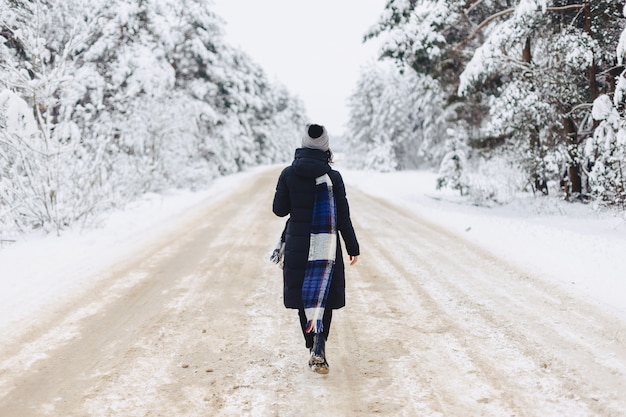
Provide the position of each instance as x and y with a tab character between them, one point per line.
193	325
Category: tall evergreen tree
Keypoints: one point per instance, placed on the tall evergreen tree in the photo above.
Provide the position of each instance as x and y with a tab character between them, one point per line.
127	97
516	76
391	120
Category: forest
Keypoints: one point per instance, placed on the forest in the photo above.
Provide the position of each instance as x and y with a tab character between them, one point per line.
103	101
501	96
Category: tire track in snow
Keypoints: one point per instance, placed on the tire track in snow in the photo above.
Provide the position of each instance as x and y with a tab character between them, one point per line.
508	341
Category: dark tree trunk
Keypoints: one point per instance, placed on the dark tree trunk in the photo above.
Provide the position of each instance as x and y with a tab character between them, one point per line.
593	69
537	174
574	183
540	183
526	55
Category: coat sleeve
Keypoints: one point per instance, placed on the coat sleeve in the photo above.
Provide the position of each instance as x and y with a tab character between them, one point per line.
282	204
344	223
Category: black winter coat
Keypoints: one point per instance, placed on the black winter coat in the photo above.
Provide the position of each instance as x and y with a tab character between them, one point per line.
295	195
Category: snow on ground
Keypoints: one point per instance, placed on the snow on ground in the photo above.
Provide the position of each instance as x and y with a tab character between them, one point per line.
569	244
38	271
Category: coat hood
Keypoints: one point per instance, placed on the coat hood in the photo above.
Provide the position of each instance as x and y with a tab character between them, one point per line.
310	163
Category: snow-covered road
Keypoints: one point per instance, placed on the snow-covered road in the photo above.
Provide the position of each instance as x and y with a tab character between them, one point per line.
193	325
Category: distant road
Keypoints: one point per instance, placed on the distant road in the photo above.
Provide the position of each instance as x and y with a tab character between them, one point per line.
194	326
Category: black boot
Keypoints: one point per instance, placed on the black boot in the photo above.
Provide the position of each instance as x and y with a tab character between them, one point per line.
317	362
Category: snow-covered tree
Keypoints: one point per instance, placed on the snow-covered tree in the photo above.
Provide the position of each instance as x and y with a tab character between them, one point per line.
536	107
606	150
48	180
391	117
607	153
452	171
433	38
127	97
368	149
519	76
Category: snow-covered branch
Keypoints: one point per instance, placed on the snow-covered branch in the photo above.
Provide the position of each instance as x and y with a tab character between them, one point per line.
106	100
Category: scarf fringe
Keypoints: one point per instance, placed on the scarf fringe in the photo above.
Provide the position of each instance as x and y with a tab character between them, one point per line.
315	326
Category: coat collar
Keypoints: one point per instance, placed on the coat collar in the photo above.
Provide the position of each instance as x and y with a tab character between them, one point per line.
310	163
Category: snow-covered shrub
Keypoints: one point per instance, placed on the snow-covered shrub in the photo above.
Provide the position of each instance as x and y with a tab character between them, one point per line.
606	151
496	180
47	176
452	171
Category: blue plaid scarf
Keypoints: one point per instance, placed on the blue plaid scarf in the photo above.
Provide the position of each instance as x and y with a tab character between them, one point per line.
322	252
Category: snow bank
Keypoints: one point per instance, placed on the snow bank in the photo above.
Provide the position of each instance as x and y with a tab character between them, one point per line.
568	244
39	271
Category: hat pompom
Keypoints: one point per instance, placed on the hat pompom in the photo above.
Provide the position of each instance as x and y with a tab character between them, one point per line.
315	131
316	137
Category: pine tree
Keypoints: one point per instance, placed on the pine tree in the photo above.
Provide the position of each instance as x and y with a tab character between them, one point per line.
391	119
518	76
127	97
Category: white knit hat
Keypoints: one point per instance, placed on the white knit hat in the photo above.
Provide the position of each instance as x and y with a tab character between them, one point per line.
315	137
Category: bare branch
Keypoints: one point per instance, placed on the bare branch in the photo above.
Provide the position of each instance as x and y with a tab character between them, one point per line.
487	21
565	8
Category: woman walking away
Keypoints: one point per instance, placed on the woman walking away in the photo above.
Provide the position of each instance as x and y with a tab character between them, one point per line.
314	196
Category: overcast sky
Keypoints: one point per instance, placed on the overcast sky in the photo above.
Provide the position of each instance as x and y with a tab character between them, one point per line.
315	48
